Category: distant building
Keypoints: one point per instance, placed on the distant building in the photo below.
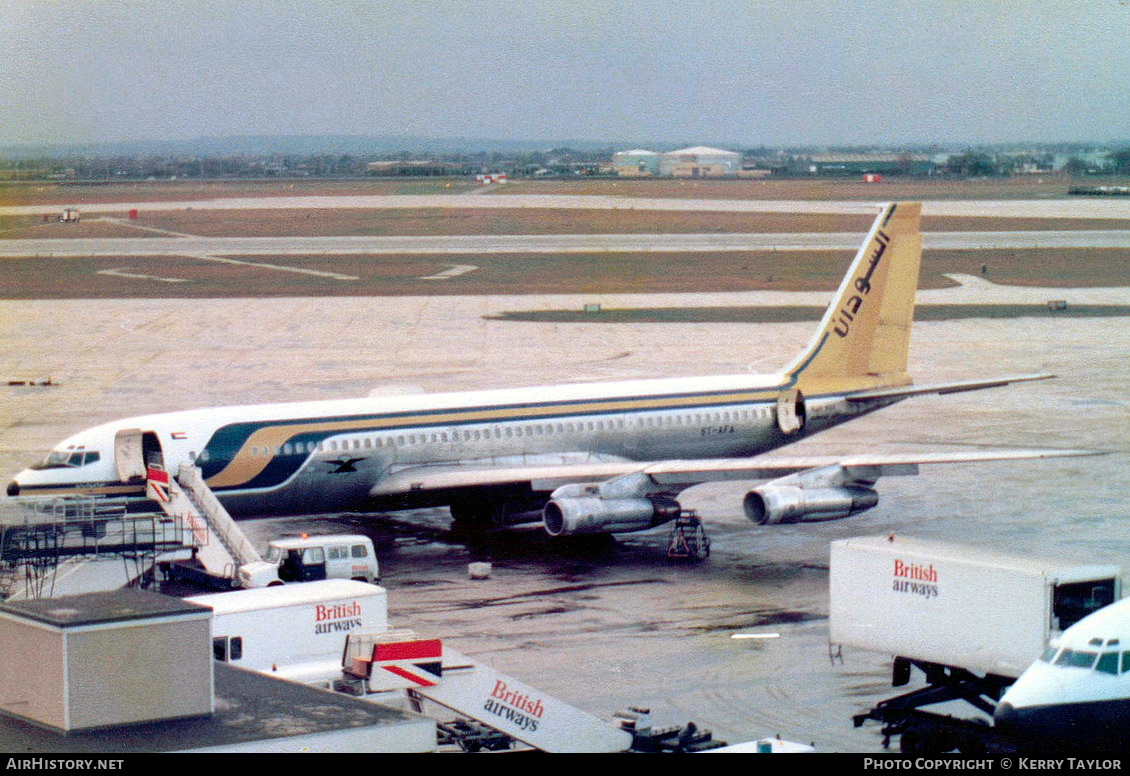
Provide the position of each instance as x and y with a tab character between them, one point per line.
637	162
861	164
700	162
412	168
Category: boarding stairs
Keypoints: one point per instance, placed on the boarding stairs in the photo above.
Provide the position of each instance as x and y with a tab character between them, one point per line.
73	534
222	547
398	661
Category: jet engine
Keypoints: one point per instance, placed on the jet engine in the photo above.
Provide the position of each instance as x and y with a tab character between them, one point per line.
567	515
773	504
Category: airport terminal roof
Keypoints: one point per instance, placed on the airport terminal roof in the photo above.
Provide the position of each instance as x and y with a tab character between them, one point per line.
250	707
703	151
99	608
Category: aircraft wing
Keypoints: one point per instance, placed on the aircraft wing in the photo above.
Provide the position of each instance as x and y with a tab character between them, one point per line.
674	476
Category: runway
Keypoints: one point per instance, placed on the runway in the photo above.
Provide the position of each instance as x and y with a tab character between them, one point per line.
564	243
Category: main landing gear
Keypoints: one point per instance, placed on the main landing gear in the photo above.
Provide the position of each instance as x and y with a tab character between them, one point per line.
688	540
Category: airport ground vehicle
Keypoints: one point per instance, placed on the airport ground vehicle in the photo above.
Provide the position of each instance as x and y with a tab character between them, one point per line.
311	558
971	620
335	634
293	631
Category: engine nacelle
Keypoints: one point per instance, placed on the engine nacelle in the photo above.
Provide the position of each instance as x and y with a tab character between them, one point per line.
773	504
569	515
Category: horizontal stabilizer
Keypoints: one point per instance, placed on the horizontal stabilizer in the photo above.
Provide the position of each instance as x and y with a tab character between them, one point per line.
942	388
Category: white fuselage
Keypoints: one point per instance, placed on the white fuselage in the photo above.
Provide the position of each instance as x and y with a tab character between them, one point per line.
1077	696
315	457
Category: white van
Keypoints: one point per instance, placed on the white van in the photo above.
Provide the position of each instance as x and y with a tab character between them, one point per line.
310	558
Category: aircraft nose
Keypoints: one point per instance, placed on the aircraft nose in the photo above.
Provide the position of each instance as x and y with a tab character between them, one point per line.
1005	718
13	488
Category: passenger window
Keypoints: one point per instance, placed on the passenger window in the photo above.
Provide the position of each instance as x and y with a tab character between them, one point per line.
360	551
1108	663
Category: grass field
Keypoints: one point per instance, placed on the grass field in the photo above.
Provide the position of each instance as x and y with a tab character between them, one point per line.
1027	187
793	314
581	273
470	221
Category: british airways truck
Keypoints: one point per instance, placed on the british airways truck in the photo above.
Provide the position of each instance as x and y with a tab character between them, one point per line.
969	618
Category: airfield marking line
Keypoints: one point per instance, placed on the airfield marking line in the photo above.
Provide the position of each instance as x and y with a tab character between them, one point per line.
121	273
279	267
455	271
32	226
120	222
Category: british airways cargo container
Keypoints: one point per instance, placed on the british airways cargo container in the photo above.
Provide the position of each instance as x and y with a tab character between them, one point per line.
293	631
956	605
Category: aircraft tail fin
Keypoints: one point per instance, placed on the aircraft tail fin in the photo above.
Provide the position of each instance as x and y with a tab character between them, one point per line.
864	337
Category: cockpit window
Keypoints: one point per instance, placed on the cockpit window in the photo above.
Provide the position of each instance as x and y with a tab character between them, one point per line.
1076	658
63	459
1049	654
1108	663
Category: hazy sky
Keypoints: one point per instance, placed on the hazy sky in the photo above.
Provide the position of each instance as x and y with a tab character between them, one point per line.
743	73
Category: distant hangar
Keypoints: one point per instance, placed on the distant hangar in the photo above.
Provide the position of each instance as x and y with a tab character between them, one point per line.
694	162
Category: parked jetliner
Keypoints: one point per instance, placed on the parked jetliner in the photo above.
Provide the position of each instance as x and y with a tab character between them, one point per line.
1076	698
585	458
